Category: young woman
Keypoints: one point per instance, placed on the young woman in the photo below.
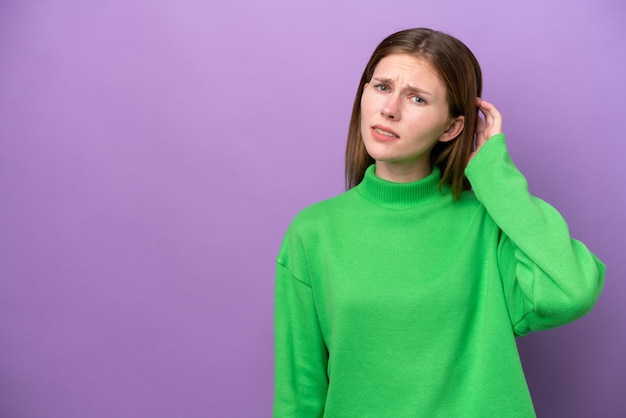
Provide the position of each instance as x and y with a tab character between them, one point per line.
403	296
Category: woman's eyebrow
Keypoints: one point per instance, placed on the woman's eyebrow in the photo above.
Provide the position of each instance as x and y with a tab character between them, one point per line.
414	89
383	80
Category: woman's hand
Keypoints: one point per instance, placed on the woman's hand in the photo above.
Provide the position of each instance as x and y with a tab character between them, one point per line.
487	127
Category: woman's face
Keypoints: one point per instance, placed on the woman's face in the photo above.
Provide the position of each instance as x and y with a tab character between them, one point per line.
404	112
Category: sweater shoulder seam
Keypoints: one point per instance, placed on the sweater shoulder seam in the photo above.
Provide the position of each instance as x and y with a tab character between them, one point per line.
296	278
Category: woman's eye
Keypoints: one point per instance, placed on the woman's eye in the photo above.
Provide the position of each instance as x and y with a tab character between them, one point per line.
382	87
418	100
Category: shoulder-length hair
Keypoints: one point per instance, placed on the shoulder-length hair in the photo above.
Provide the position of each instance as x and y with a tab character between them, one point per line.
460	72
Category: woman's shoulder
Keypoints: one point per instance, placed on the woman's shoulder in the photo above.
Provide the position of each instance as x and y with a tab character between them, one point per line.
327	208
468	198
315	221
469	203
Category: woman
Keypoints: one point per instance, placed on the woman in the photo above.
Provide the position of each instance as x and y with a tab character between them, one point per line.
403	296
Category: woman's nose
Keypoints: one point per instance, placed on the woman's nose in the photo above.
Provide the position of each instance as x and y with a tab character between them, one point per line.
391	108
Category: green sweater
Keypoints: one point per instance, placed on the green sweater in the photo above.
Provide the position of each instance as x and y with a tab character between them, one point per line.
394	300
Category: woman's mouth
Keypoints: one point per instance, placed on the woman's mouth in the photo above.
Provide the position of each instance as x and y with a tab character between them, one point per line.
383	134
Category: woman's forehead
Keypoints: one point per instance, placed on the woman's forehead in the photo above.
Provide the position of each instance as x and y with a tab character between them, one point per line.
407	69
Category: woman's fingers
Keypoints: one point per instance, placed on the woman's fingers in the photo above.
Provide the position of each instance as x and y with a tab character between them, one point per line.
487	127
493	118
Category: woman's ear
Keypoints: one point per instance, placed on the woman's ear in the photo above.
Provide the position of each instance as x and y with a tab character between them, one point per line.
454	129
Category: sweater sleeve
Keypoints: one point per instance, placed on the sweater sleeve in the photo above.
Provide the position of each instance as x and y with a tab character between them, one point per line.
549	279
300	354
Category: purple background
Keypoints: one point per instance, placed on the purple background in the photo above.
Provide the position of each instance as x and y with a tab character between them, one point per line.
153	153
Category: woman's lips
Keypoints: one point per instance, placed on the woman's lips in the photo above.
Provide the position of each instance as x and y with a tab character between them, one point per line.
384	134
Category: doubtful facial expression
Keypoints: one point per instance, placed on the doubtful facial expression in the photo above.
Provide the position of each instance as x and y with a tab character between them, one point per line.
404	113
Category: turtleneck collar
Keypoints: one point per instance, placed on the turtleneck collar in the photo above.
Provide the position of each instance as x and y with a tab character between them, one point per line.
400	195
